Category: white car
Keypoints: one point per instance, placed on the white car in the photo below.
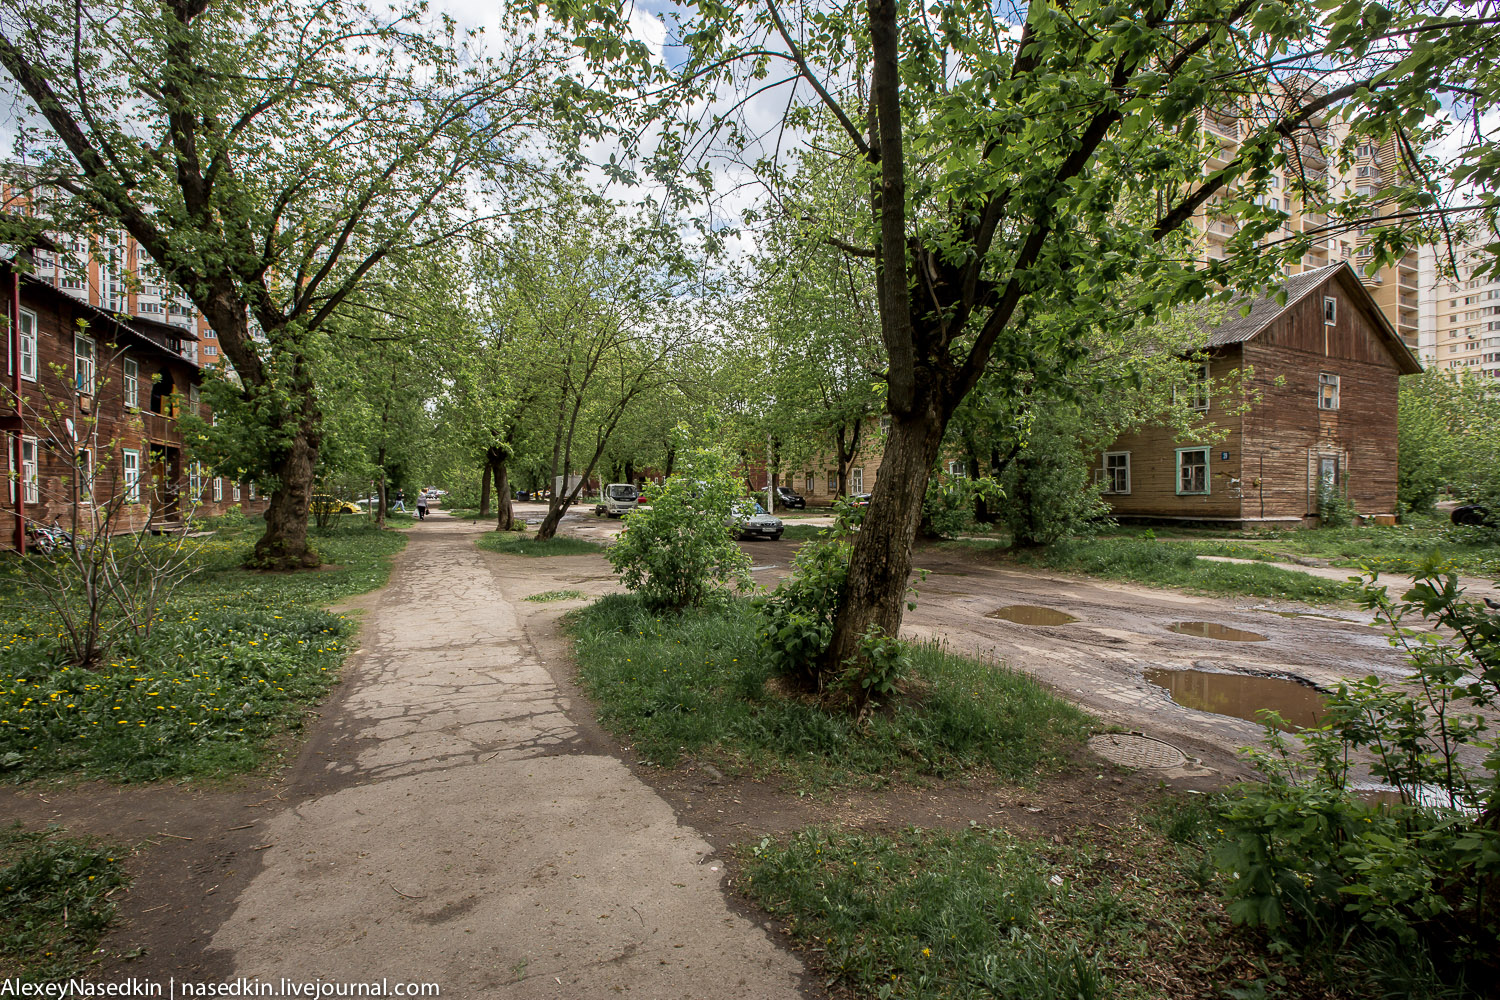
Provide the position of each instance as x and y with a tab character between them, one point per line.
753	522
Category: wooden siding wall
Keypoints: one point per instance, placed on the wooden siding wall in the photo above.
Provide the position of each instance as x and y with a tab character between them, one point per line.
52	399
1286	432
1153	461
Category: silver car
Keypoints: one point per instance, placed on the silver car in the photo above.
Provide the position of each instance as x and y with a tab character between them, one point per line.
752	521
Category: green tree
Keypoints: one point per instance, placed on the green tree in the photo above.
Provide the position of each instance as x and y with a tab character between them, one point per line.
268	156
1448	439
1048	165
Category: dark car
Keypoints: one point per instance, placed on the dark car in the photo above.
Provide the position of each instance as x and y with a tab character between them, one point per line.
859	500
1473	515
790	498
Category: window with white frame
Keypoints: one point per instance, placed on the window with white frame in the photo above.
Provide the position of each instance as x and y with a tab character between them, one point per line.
833	482
1330	310
193	399
83	363
1117	472
130	464
234	494
1328	391
1194	394
195	481
856	480
30	487
252	491
1192	471
218	489
958	468
132	383
810	482
28	345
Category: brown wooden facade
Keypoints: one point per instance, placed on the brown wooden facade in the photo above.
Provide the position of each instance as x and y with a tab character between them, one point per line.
1325	369
90	415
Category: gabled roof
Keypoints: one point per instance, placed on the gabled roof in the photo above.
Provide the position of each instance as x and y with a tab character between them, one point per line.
1265	310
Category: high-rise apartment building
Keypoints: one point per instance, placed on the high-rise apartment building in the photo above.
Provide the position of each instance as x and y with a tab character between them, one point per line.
116	275
1460	321
1313	175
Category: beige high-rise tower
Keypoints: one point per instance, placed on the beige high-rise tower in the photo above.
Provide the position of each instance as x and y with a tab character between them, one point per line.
1460	319
1311	160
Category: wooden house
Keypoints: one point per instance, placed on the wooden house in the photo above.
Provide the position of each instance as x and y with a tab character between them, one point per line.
90	415
1325	369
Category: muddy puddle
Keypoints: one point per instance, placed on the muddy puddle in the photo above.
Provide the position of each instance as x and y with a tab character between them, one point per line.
1241	695
1031	614
1315	617
1213	630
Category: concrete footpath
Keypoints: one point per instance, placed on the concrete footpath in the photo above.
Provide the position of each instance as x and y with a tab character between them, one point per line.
476	836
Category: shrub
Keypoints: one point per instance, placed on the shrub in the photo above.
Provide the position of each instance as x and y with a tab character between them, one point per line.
1335	509
679	552
1314	865
797	626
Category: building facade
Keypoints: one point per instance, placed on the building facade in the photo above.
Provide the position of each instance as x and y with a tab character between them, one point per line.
90	414
1326	365
1460	318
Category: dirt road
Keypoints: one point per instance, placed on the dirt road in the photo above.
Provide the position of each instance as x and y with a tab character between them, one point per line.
1122	631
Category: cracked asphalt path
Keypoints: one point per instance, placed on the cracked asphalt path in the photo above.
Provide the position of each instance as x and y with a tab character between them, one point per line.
474	835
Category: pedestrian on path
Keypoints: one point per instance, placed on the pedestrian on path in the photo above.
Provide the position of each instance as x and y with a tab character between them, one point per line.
400	502
422	506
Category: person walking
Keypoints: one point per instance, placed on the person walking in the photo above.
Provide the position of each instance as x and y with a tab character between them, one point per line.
400	502
422	506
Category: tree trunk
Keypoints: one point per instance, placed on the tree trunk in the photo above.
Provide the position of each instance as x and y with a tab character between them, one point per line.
506	515
671	461
285	545
875	593
629	472
484	486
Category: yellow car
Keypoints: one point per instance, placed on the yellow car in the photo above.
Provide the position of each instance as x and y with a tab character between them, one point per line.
322	503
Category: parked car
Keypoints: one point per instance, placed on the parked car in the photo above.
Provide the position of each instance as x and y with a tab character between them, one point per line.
323	503
790	498
751	521
1474	515
859	500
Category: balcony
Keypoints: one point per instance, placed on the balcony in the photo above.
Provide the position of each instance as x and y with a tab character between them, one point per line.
1408	299
159	427
1227	125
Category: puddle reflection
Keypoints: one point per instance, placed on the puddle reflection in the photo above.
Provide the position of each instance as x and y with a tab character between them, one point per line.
1213	630
1031	614
1241	695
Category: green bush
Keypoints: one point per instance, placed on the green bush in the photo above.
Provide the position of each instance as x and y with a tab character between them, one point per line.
1317	867
1335	509
680	552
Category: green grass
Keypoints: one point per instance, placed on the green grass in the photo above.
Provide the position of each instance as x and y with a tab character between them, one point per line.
547	596
801	532
1119	910
54	902
233	662
1175	564
517	543
1387	549
694	684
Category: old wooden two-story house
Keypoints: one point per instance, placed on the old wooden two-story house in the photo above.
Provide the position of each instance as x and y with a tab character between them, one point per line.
1325	368
90	414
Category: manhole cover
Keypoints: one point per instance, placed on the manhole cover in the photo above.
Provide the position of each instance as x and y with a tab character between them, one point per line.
1134	750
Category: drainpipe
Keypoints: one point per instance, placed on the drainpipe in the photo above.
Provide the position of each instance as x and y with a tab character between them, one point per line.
15	386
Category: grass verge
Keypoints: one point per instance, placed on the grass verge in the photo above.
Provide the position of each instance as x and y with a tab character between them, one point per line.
800	532
548	596
54	902
694	684
1122	911
1176	564
233	662
516	543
